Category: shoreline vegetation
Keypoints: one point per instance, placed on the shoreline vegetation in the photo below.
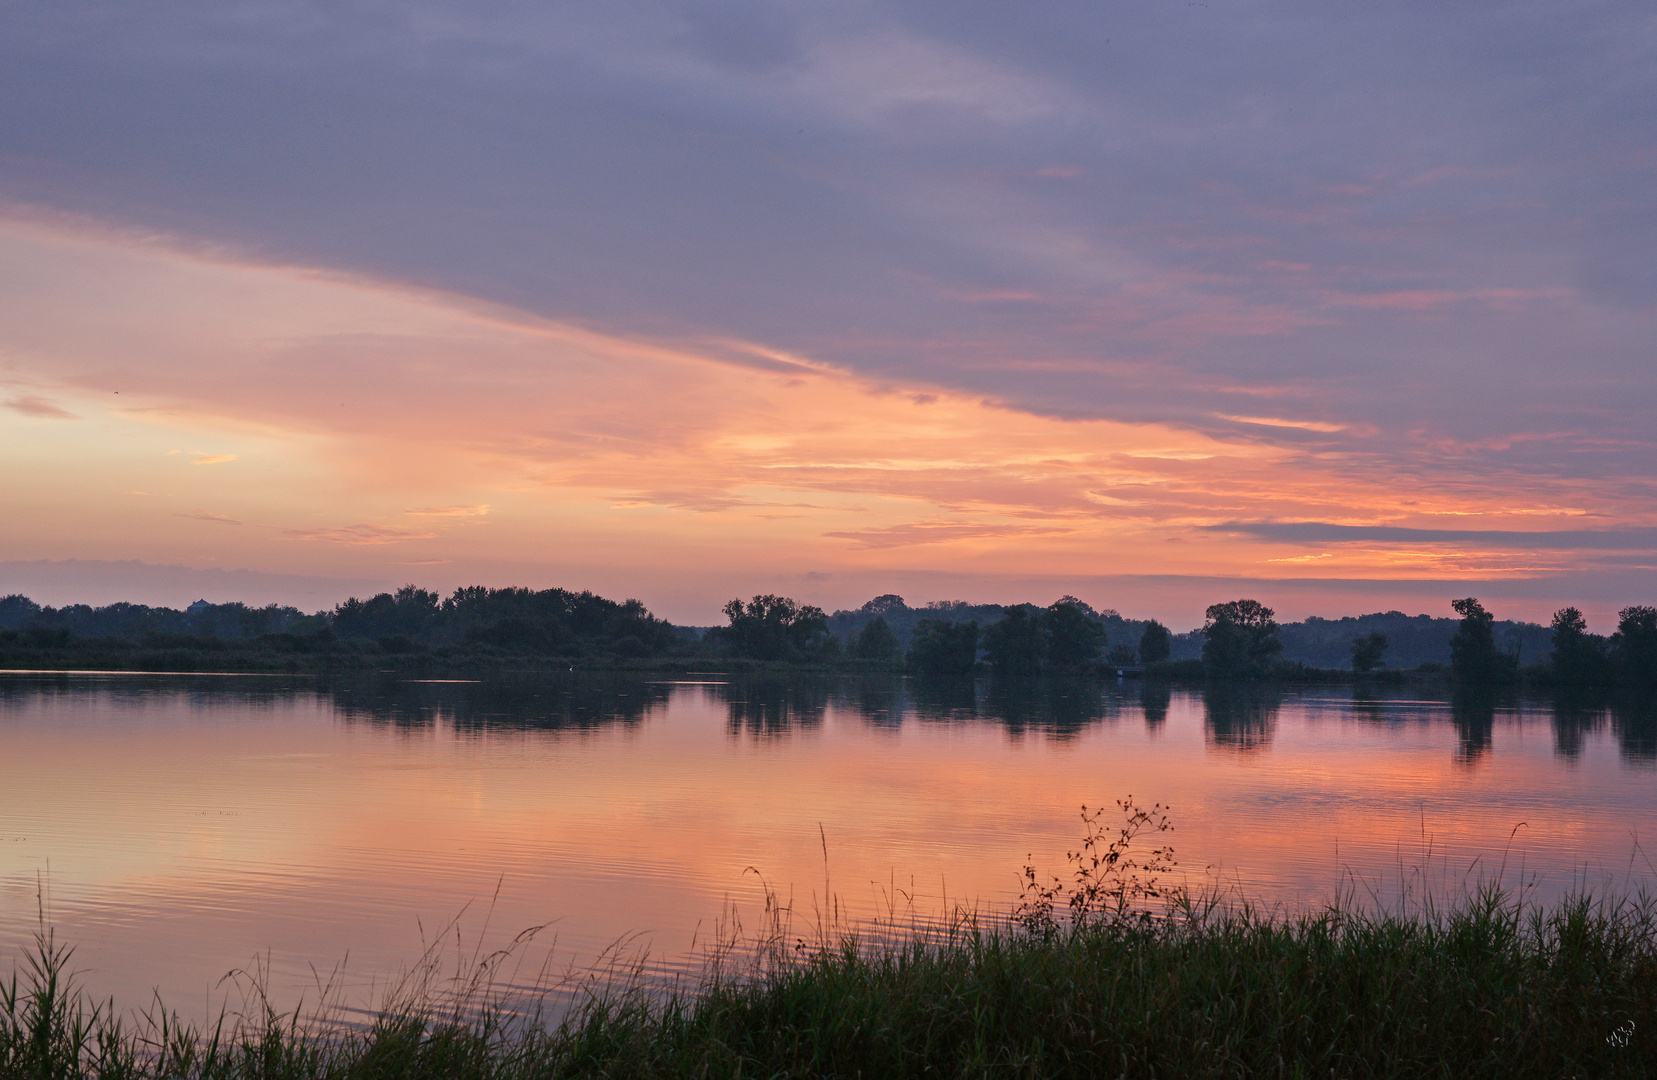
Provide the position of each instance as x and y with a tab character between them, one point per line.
1107	971
480	631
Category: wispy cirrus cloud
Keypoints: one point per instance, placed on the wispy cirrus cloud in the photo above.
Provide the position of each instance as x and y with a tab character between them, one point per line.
943	532
1320	532
361	535
39	408
476	510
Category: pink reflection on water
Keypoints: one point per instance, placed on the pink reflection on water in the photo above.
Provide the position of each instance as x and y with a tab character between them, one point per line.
175	830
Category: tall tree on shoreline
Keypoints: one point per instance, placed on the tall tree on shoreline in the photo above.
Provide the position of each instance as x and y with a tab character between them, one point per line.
1239	640
1473	655
1155	643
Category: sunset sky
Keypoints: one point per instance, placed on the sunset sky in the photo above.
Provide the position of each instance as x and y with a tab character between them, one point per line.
1345	307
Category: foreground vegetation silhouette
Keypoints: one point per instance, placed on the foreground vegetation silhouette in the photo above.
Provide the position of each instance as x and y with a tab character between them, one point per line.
1109	970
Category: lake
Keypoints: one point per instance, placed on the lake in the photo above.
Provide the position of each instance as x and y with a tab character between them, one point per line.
177	827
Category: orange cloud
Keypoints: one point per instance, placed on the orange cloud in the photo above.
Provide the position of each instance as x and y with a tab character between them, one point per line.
362	535
357	401
478	510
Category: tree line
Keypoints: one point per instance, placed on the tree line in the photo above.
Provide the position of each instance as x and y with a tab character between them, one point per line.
1239	639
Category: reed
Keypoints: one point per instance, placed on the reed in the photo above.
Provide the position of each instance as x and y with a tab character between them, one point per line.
1132	979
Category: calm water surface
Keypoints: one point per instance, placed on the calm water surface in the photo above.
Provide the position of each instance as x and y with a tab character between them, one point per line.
175	828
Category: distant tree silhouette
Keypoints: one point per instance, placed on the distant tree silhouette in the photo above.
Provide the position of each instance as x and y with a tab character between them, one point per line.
404	614
16	611
1016	644
942	647
776	628
1369	652
1634	647
1239	640
876	642
550	621
1155	643
1578	656
1121	655
885	604
1473	655
1071	634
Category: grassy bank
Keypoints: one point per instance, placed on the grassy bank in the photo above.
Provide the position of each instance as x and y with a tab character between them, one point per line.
1485	989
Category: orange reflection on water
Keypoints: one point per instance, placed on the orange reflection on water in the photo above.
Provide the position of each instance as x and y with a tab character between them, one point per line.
178	831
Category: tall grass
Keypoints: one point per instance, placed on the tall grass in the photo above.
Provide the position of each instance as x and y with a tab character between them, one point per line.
1121	982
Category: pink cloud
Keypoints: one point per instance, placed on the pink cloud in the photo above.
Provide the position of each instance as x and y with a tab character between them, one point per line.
40	408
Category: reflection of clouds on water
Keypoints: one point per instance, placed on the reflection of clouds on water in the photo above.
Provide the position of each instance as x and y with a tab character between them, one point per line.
320	816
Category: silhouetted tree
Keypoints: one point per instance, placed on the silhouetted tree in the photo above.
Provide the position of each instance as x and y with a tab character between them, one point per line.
554	621
1014	646
1634	647
1239	640
1473	655
885	604
942	647
16	611
776	628
1369	652
406	613
1578	656
1155	643
876	642
1121	655
1071	636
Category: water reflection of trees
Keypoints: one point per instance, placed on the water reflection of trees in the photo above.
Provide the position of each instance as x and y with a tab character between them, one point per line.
541	703
945	697
769	707
1240	716
1060	708
1579	714
1575	717
1154	698
198	692
882	702
1473	712
1634	720
1057	707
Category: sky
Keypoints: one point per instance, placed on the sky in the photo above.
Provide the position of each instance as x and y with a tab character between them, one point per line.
1343	307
